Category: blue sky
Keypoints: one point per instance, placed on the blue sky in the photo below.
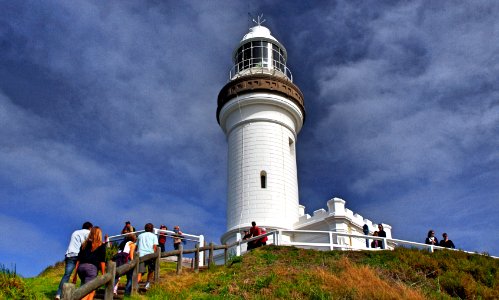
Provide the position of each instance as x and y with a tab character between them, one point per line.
107	114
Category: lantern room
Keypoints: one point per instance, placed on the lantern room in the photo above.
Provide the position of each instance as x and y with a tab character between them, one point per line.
260	53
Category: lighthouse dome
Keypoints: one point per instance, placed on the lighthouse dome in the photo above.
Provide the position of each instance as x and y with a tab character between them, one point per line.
260	53
259	32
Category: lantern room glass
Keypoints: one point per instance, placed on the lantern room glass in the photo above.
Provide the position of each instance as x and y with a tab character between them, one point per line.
259	54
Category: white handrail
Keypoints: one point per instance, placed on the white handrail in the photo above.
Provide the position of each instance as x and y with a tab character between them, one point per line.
194	238
386	241
185	236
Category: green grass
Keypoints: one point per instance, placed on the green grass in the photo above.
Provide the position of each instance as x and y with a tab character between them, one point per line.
14	287
290	273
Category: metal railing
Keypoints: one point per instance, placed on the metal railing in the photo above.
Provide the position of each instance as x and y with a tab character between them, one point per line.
343	241
185	237
260	66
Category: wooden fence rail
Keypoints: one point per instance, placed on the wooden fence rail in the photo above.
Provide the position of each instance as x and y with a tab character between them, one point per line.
72	293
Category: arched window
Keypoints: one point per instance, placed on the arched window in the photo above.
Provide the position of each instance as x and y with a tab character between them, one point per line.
263	179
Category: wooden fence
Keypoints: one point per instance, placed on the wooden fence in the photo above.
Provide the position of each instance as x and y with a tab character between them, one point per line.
107	280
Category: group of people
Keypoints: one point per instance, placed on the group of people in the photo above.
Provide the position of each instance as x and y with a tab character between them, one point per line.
255	231
86	254
444	242
376	243
177	237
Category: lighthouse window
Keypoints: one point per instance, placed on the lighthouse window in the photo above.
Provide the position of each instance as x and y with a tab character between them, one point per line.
246	56
263	179
252	54
278	58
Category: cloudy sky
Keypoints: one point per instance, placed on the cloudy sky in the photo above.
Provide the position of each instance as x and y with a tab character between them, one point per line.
107	114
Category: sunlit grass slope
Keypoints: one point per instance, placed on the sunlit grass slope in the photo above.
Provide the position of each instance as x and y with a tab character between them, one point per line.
290	273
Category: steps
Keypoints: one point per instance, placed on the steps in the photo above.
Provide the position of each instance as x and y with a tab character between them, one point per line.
121	285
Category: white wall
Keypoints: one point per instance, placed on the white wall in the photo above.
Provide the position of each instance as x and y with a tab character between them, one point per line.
260	127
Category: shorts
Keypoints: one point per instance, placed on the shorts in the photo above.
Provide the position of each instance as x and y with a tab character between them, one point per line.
87	272
150	265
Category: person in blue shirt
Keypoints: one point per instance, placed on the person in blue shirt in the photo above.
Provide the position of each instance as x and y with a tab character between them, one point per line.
147	243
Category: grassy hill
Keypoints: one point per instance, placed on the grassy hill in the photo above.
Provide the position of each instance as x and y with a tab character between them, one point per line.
290	273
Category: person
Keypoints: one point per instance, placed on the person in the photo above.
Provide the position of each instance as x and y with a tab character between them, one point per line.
91	259
147	243
77	238
445	242
246	236
376	243
263	240
162	238
177	238
128	228
255	231
381	233
365	229
124	256
431	239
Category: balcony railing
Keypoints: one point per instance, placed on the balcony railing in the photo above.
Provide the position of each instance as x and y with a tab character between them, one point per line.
260	66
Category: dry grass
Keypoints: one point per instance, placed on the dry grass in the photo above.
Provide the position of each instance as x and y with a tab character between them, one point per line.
362	282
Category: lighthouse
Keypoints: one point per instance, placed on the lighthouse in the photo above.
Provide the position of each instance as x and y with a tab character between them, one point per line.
261	111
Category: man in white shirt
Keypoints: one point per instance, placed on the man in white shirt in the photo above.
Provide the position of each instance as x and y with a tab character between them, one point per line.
77	238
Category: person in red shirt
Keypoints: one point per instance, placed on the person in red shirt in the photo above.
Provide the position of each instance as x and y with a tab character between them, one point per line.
162	238
263	240
255	231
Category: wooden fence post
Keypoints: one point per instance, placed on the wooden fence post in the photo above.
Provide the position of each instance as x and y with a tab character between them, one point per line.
111	269
205	257
156	265
135	281
210	260
180	258
68	290
196	259
226	254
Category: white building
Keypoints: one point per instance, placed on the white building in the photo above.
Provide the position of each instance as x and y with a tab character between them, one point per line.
261	111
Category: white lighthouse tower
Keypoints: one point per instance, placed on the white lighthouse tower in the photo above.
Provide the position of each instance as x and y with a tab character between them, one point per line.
261	112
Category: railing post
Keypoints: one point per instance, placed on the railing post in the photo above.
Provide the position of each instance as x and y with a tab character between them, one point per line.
210	255
156	265
201	255
226	254
68	290
135	281
331	242
239	245
431	248
111	269
196	259
205	258
180	258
